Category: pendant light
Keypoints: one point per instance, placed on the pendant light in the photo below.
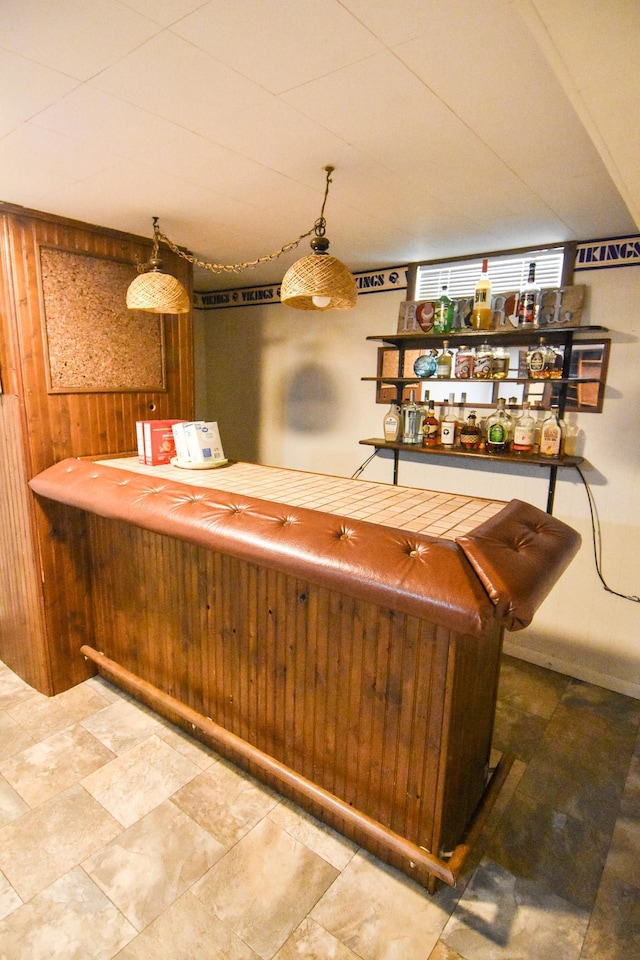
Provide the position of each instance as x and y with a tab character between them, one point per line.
156	291
319	281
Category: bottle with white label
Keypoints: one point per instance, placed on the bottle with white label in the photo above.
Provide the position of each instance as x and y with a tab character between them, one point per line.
524	431
392	423
527	309
448	424
411	420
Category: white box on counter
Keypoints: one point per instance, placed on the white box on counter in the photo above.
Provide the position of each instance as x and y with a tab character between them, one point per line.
203	441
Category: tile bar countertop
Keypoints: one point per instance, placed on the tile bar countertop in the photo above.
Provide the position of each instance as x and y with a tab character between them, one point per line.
436	514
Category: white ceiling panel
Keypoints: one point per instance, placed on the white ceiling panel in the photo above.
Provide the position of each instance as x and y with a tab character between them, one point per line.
454	127
279	44
72	36
27	88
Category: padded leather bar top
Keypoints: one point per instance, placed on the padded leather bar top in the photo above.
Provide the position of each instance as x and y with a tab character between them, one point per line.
491	573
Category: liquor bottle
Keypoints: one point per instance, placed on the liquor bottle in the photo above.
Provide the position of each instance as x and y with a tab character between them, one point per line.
470	434
524	431
461	415
445	359
499	363
430	427
426	365
571	435
482	366
391	423
539	361
482	314
410	420
527	309
443	317
465	361
448	424
498	430
551	435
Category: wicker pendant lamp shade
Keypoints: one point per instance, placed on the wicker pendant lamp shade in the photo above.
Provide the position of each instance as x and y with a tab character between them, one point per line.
156	291
318	282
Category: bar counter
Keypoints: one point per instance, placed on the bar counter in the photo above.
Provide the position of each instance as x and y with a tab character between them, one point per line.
339	639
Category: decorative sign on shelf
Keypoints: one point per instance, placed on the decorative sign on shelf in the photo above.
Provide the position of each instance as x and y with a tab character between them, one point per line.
557	307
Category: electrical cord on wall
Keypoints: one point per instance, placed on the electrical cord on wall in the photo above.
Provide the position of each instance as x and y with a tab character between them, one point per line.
595	529
597	541
354	476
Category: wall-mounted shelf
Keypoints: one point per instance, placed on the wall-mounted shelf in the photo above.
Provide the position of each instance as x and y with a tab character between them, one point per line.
563	336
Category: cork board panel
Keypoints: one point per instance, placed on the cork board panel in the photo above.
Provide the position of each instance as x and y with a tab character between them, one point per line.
93	342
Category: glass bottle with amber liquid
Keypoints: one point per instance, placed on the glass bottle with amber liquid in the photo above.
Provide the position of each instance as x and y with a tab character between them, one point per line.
482	314
430	427
470	433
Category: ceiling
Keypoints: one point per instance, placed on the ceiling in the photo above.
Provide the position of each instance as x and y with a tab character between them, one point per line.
455	126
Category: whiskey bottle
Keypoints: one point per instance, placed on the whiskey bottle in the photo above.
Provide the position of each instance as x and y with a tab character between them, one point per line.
430	427
448	425
470	433
527	309
482	314
539	361
524	431
551	435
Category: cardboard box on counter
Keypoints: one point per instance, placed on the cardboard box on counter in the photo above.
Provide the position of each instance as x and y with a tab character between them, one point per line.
156	444
203	441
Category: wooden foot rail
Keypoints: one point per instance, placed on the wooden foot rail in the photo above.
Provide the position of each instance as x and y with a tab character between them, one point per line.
293	784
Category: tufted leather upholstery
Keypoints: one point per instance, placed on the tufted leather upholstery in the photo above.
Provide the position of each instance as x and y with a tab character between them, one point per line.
502	569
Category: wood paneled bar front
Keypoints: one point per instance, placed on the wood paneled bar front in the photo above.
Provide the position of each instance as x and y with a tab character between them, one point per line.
352	664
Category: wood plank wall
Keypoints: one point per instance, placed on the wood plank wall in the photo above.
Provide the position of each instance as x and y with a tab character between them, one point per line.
42	428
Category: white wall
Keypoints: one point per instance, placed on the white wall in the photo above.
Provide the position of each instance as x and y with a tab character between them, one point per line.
286	388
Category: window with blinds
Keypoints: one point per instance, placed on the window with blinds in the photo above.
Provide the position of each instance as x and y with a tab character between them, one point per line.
507	272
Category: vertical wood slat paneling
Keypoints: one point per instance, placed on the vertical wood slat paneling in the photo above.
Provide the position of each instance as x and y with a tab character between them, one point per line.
55	426
21	616
348	693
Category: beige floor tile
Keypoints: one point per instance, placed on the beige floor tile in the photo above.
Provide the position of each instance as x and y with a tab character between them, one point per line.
264	887
146	868
12	805
13	691
501	917
9	899
122	725
133	784
227	804
13	737
45	716
49	767
70	919
310	941
380	914
49	841
186	931
324	841
193	750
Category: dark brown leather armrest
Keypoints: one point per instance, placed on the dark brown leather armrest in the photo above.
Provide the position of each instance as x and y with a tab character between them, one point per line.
519	554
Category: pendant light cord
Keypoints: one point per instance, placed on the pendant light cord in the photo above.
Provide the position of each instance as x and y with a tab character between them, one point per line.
318	229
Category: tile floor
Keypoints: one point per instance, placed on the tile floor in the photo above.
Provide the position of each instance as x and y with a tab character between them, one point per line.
120	837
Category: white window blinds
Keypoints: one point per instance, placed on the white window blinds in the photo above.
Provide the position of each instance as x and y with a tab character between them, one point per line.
507	272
